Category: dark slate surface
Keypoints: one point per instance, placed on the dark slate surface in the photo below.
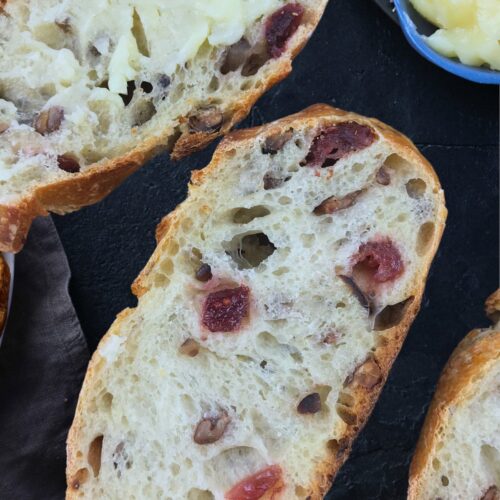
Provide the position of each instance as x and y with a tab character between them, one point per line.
357	60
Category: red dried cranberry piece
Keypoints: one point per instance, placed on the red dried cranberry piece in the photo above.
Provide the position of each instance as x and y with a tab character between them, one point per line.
281	26
224	310
255	486
334	143
381	259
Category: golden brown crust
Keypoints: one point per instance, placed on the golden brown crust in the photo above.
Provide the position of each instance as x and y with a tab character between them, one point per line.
470	361
4	292
492	306
98	181
390	341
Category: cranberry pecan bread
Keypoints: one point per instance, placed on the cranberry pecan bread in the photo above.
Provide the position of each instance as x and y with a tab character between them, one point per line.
268	317
89	91
458	453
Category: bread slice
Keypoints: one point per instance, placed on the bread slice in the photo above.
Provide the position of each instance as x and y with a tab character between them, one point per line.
268	317
89	91
458	453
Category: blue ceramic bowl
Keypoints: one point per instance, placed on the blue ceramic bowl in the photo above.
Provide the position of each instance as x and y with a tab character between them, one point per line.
414	26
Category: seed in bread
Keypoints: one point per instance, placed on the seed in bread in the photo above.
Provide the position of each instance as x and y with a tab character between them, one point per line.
89	91
458	453
264	330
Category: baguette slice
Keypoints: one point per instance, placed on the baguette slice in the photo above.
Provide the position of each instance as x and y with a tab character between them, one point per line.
269	315
458	453
90	90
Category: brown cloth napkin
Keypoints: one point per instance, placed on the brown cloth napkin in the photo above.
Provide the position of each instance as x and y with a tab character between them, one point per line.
42	363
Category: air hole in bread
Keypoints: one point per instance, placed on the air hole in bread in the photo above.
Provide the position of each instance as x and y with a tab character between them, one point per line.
161	281
392	315
445	481
167	266
346	414
147	87
300	492
246	215
127	98
324	391
346	399
425	237
267	341
214	84
250	250
235	56
139	34
107	401
233	464
397	163
491	457
416	188
246	85
78	479
94	454
196	494
143	111
121	459
281	271
436	464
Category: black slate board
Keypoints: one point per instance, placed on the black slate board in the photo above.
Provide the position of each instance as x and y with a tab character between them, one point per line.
357	60
388	7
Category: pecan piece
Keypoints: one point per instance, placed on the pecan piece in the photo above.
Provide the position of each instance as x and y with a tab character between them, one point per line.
3	127
49	121
276	142
357	292
204	273
207	120
368	375
383	177
310	404
271	182
190	348
209	430
68	163
333	204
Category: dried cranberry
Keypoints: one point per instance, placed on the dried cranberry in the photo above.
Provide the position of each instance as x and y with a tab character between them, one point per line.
281	26
334	143
381	259
224	310
255	486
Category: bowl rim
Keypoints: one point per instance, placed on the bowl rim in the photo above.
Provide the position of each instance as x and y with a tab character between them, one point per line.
416	40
